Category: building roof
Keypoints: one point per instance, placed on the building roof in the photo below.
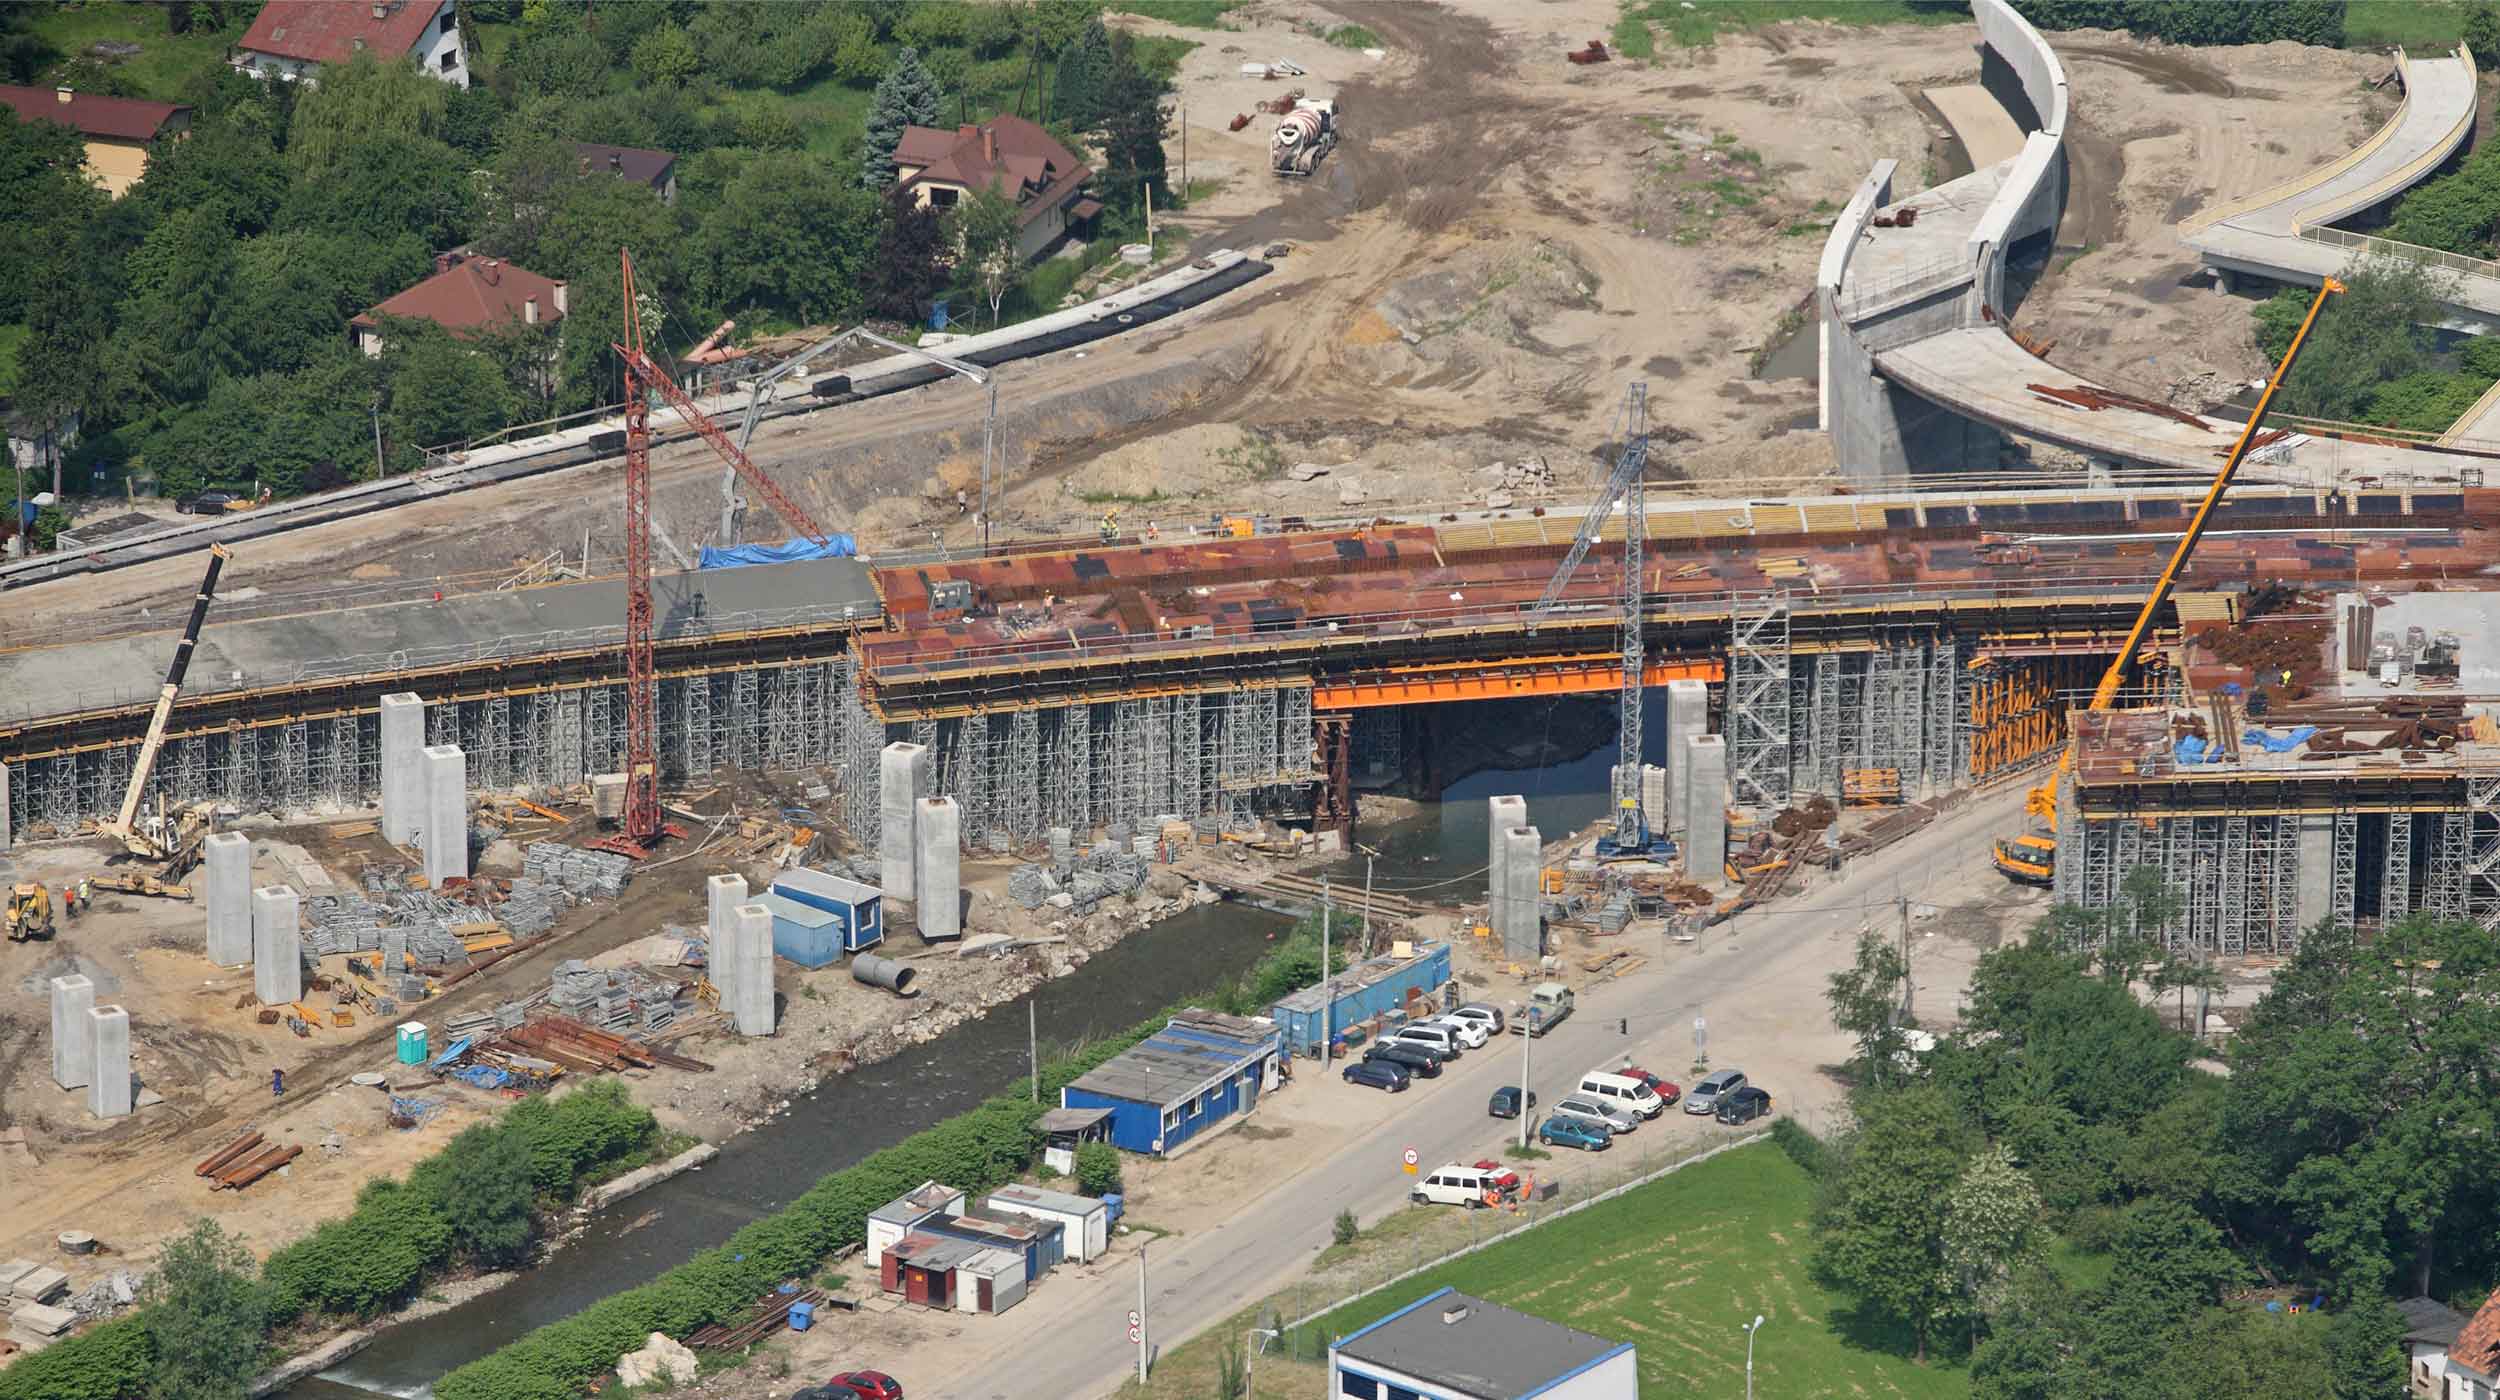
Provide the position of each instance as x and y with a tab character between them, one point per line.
1017	1232
1014	156
817	882
2430	1320
1070	1120
915	1205
933	1251
1360	978
990	1263
1042	1198
1480	1348
1192	1051
92	114
471	294
804	915
330	31
2478	1343
646	167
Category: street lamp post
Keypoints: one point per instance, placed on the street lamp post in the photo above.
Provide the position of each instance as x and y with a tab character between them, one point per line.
1757	1326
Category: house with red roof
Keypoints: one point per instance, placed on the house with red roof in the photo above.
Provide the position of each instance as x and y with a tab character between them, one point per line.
467	296
291	39
2473	1363
120	132
1010	155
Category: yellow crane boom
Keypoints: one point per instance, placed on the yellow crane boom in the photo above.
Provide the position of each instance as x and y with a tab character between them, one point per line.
2032	858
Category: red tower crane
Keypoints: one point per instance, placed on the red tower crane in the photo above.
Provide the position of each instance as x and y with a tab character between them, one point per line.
642	824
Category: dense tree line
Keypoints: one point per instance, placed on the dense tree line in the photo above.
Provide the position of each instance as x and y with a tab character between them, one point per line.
198	325
2060	1193
2318	22
2374	355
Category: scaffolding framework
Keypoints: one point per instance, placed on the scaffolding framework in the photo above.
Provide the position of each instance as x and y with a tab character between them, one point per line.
1759	749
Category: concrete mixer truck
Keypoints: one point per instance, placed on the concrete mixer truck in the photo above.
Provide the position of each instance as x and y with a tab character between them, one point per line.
1303	136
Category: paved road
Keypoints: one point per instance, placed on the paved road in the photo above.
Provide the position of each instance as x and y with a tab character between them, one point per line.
1776	965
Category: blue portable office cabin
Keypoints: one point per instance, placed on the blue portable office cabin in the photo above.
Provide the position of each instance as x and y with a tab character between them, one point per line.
818	917
1041	1244
1200	1069
1363	991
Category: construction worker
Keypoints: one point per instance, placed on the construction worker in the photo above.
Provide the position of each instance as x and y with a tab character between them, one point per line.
69	900
277	1083
82	892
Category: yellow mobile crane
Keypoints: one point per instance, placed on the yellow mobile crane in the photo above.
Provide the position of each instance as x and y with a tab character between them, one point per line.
125	826
2031	858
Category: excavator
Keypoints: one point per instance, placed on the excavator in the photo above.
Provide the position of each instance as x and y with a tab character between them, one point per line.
2031	858
30	912
174	839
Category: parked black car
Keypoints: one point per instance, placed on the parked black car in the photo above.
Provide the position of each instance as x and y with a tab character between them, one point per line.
1744	1106
205	503
1505	1102
1414	1059
1380	1074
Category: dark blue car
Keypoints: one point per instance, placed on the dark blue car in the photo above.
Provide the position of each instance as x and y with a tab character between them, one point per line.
1505	1101
1380	1074
1562	1130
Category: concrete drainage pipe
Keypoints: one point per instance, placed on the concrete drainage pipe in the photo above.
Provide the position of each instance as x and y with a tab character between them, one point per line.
889	973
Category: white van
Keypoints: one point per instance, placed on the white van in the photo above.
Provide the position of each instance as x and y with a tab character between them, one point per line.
1440	1038
1624	1092
1455	1185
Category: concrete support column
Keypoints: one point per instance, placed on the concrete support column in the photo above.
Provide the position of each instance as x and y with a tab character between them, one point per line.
936	834
1705	810
403	781
1502	813
72	1048
227	862
4	806
2314	886
751	1007
108	1052
902	780
1688	713
723	893
722	963
444	833
277	945
1521	922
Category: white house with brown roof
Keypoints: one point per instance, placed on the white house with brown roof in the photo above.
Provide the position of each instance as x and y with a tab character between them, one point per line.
289	39
1015	157
656	169
120	132
467	296
2472	1371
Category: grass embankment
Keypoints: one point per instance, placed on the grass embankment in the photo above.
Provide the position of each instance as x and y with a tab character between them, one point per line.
1697	25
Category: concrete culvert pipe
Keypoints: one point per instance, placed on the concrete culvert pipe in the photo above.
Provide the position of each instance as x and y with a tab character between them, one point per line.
889	973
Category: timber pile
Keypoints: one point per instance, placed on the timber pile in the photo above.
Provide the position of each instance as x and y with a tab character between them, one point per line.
769	1313
252	1167
575	1046
225	1156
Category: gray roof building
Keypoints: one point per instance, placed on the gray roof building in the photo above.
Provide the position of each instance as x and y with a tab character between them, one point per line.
1465	1348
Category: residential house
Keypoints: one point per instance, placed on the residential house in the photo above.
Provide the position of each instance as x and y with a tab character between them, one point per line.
2473	1370
120	132
467	295
2431	1327
1010	155
657	169
1449	1346
289	39
1200	1069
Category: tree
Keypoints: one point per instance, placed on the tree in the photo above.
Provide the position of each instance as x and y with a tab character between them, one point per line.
359	102
440	390
487	1193
1133	123
1076	95
1232	1372
395	185
909	267
1866	1003
206	1313
2366	1349
2239	1354
1097	1168
2482	34
1882	1234
665	57
983	230
1991	1230
905	96
789	238
62	366
2377	332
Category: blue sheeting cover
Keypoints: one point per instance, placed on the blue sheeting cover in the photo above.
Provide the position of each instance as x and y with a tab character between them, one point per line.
788	552
2279	743
2191	750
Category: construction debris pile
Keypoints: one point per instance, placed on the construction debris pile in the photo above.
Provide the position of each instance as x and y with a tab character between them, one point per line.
1078	883
438	927
579	872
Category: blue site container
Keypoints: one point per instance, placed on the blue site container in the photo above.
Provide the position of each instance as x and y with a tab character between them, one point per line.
1113	1203
802	1316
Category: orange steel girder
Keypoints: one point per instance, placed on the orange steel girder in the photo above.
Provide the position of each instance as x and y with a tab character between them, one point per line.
1449	682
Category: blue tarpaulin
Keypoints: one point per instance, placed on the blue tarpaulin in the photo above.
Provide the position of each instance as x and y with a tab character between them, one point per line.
2279	743
2193	750
788	552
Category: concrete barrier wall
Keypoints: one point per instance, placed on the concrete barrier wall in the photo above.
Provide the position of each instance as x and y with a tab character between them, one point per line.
2034	194
2020	45
1838	349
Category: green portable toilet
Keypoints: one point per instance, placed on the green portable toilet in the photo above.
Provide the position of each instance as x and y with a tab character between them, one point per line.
412	1042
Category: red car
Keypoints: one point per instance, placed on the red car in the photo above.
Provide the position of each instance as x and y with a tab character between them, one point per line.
1667	1093
1504	1179
868	1385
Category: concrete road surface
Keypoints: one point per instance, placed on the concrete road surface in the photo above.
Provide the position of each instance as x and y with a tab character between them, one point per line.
1760	982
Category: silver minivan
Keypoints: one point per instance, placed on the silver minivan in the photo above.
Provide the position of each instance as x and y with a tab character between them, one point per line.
1617	1118
1704	1097
1440	1038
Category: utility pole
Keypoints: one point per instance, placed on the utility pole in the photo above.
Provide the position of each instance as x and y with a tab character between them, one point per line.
1907	984
1369	856
1757	1326
1327	983
1527	1039
1144	1338
1033	1044
379	471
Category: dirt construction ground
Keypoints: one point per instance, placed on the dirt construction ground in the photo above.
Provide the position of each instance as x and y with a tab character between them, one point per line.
1501	243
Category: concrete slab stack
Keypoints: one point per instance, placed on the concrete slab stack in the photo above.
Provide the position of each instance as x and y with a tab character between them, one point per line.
1688	714
277	945
722	893
403	781
227	862
108	1052
1502	814
902	780
749	999
72	998
1517	920
1705	809
445	827
936	831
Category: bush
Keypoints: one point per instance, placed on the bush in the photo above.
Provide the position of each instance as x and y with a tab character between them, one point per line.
1802	1147
110	1362
1347	1227
2319	22
1097	1168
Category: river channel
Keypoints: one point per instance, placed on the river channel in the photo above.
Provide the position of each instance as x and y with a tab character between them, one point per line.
845	1119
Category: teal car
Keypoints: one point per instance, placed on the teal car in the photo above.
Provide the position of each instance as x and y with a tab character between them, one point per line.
1562	1130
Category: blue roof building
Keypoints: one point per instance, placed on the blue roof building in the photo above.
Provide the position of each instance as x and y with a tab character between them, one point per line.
1365	990
1449	1346
1200	1069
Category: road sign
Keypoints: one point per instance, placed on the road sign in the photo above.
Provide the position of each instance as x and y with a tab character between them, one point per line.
1134	1326
1410	1161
